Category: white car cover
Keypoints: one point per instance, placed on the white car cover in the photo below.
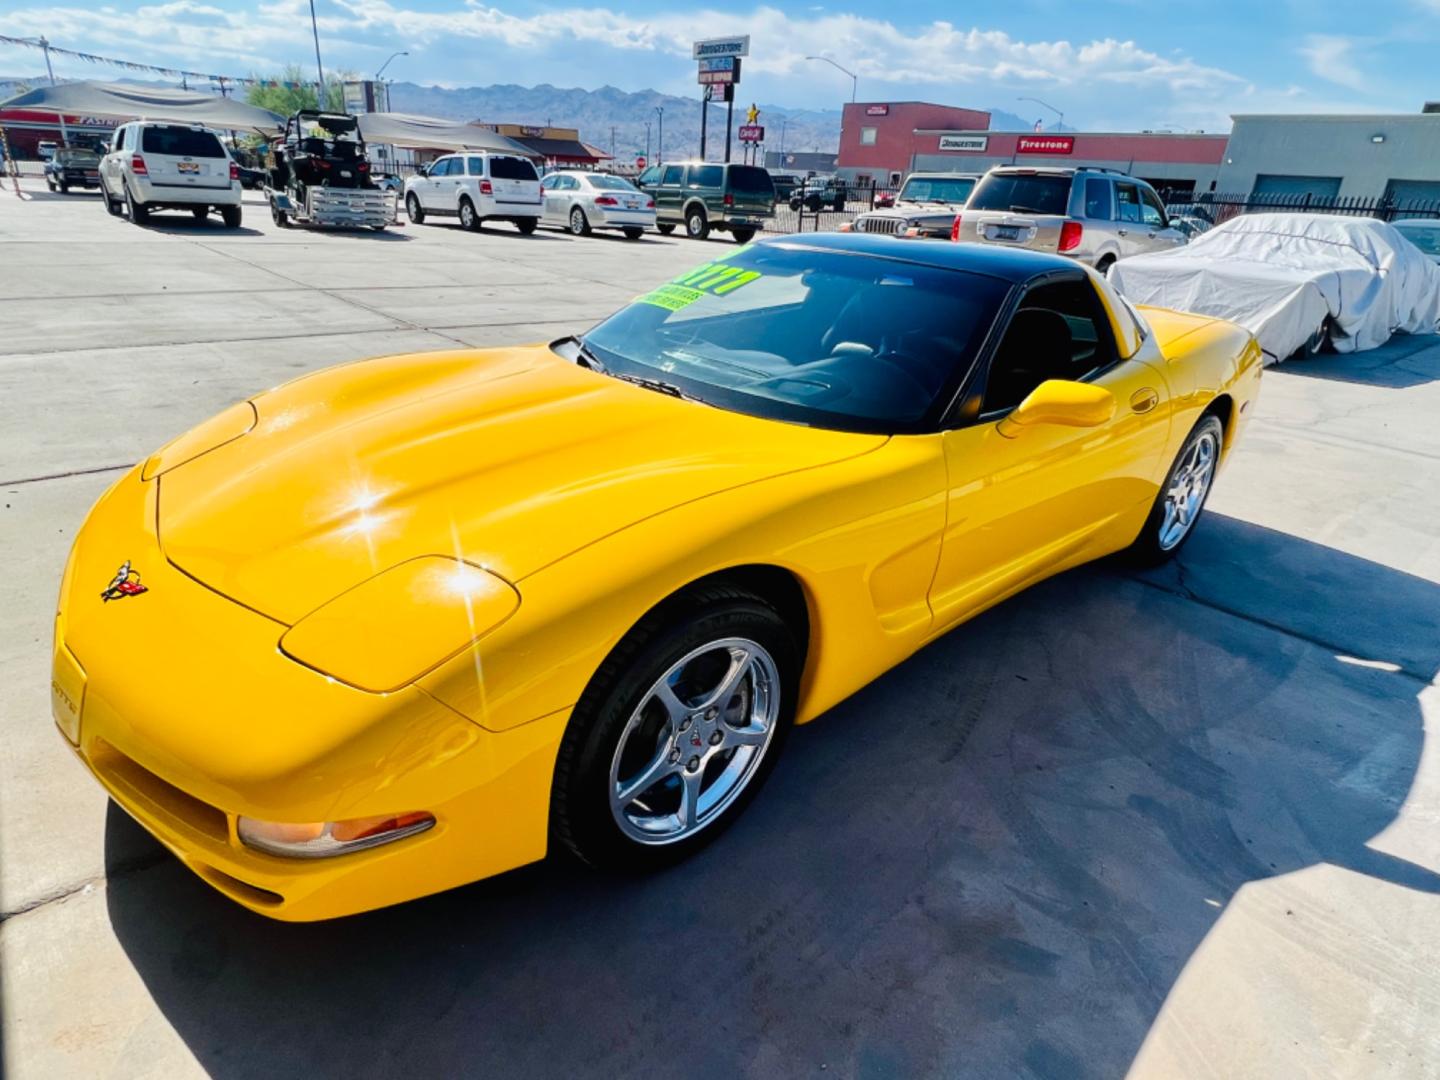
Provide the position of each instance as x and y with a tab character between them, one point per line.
1280	275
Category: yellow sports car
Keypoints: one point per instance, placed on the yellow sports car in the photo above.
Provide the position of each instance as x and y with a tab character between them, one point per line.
408	622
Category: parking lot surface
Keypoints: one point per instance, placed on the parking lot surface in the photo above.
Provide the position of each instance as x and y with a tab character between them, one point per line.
1179	823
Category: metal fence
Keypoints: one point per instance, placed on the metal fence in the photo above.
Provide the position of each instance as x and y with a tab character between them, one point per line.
825	208
1216	208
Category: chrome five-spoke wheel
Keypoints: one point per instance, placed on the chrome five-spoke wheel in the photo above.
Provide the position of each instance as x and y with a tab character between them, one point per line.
1189	484
695	741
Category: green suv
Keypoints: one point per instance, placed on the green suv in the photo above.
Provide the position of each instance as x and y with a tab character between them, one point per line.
702	196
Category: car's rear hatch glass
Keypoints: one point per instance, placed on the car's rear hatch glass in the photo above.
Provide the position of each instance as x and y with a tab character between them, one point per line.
752	187
514	179
184	157
1022	193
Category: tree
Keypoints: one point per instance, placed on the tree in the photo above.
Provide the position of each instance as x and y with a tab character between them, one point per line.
286	100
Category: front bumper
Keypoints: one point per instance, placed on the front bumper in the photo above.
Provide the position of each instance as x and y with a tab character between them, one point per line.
182	706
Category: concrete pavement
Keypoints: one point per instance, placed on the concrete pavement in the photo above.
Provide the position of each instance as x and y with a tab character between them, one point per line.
1180	823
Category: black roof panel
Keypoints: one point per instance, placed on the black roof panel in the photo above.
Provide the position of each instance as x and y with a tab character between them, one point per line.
1009	264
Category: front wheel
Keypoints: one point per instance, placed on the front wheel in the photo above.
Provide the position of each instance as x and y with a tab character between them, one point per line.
64	188
282	219
579	223
112	206
527	225
677	731
697	227
138	213
743	236
1182	496
413	210
632	232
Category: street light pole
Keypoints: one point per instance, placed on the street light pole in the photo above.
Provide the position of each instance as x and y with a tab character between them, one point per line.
854	81
320	86
387	64
660	135
45	48
1052	108
647	142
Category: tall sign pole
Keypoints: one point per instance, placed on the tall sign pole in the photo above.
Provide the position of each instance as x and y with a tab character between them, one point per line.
45	48
320	86
719	65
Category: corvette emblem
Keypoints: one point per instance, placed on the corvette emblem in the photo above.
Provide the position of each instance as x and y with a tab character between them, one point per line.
125	583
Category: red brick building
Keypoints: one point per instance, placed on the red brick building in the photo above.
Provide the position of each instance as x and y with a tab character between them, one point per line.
880	143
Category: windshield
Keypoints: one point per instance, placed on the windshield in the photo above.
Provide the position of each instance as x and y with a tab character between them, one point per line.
1426	237
1022	193
836	340
610	183
71	156
941	189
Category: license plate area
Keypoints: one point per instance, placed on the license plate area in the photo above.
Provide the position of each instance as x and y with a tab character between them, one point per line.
1004	232
190	168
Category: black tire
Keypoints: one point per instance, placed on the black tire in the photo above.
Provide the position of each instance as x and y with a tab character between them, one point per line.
633	233
1319	340
64	187
742	235
469	219
231	216
112	207
664	228
200	213
1148	548
527	225
697	225
413	210
581	818
136	212
281	218
50	183
1104	264
579	223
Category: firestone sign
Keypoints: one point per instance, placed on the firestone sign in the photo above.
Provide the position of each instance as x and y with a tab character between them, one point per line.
970	144
1045	144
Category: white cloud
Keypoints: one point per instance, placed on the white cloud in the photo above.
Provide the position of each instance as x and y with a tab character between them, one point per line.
1330	57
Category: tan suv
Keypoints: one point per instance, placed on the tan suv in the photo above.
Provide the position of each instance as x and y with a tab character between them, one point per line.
1093	215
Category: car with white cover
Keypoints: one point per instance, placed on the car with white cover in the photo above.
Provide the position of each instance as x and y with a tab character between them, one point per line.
154	166
584	201
1424	233
477	187
1295	281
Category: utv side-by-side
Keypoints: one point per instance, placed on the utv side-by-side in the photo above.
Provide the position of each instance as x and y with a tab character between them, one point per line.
321	176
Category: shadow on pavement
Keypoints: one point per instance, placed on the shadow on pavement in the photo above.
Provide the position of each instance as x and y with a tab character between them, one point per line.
995	861
1402	362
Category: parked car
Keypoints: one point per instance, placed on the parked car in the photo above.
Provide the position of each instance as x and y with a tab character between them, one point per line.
1094	215
584	201
1298	282
72	167
702	196
785	183
155	166
46	149
925	207
818	193
422	619
1191	225
477	187
1424	233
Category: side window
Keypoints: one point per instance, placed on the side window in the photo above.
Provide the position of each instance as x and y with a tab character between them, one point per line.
673	174
118	142
1127	196
706	176
650	175
1152	210
475	166
1059	332
440	168
1097	199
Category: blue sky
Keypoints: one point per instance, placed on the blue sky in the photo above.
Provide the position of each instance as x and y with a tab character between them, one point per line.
1108	64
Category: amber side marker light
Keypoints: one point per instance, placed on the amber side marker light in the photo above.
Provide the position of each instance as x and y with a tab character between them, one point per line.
320	839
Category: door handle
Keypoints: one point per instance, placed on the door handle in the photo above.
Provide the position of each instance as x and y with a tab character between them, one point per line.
1121	232
1143	400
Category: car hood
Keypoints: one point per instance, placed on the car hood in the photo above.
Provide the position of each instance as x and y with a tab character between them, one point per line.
508	458
917	211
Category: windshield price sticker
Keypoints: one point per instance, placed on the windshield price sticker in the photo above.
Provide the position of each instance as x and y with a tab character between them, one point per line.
712	279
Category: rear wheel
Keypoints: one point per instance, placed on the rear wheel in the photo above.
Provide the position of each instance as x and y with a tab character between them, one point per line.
468	218
579	223
1182	496
633	233
282	219
677	731
413	210
697	226
230	215
527	225
743	236
199	212
1104	264
664	228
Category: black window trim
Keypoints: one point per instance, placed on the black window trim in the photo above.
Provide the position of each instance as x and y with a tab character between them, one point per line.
965	411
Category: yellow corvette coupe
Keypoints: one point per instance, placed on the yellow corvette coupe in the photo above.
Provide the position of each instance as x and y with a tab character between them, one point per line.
406	623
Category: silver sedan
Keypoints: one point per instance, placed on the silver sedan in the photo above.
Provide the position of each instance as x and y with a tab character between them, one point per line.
584	201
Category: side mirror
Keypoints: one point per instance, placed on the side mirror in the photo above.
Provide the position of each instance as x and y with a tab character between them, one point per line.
1059	401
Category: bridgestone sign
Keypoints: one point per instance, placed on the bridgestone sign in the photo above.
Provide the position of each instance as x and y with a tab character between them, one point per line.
730	46
971	144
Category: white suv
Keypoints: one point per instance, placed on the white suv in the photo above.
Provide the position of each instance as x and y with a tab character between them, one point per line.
476	188
154	166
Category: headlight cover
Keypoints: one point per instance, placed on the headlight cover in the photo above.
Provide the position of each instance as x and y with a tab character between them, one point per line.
321	839
201	439
399	625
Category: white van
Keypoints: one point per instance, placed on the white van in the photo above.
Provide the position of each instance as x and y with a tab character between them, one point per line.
477	187
154	166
